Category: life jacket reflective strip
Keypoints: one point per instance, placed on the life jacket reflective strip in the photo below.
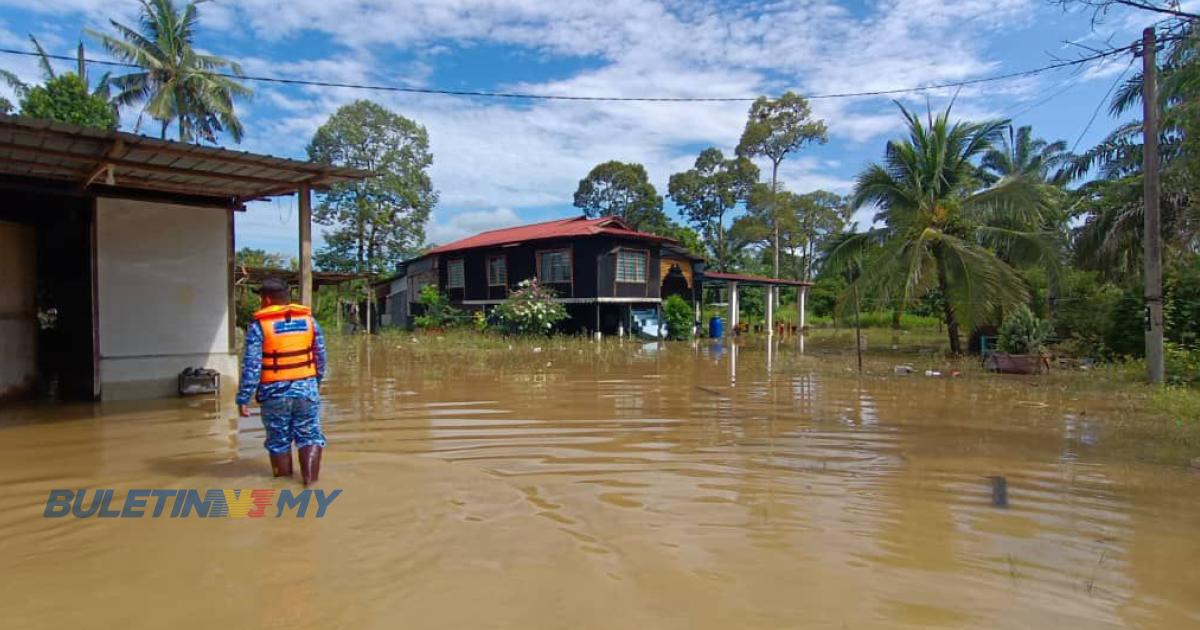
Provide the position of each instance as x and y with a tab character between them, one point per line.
289	343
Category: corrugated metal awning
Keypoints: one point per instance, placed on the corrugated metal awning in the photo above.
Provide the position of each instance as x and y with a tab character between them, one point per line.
93	158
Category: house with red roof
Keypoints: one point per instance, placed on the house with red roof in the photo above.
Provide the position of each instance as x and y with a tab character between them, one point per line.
609	276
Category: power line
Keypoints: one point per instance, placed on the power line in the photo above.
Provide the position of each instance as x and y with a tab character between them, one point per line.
1099	105
566	97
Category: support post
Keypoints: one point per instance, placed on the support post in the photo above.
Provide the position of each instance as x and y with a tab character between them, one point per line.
305	194
337	312
1151	231
801	298
770	312
733	309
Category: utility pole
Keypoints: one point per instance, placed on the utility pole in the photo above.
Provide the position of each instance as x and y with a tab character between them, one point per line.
1152	231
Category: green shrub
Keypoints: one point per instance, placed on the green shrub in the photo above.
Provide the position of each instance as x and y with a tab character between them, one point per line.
1023	333
65	98
823	295
1182	363
530	310
678	315
1125	334
437	310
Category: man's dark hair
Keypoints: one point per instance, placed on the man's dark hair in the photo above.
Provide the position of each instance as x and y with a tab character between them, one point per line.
276	289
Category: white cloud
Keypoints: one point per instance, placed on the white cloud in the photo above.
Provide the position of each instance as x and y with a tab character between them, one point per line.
445	227
495	158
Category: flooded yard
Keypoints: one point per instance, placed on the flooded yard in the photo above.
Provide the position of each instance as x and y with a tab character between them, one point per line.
615	486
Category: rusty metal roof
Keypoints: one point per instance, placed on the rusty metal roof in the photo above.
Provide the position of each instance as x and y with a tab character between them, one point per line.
243	275
95	158
560	228
717	276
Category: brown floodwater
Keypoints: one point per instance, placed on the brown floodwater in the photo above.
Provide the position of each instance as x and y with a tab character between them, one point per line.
614	486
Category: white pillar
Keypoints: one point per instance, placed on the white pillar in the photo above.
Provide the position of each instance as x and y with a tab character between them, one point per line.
733	309
305	207
801	296
770	312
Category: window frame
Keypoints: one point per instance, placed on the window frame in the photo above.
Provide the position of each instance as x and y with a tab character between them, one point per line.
645	268
463	266
492	281
569	253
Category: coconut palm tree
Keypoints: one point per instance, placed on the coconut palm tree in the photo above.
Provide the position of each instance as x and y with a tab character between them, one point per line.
941	228
1019	153
176	83
1047	164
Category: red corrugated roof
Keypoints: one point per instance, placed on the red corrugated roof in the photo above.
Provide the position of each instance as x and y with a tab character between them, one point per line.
560	228
737	277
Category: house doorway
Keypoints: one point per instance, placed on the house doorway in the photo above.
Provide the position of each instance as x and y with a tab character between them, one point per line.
47	340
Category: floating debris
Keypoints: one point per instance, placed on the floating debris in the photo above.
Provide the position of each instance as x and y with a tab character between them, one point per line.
903	369
999	491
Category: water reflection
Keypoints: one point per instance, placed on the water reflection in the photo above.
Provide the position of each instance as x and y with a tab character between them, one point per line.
705	485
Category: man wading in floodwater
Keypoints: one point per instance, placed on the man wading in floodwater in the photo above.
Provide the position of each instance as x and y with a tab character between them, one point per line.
282	369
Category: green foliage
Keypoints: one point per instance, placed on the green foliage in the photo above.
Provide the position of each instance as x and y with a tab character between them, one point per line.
709	192
1181	307
250	257
1082	312
805	222
437	312
66	99
1126	331
942	229
776	127
1182	363
530	310
379	222
479	321
824	294
679	317
1023	333
618	189
176	83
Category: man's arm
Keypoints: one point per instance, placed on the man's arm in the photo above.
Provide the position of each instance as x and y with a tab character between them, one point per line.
319	345
251	367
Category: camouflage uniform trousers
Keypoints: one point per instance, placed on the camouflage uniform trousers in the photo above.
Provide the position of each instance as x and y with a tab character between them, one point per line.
290	419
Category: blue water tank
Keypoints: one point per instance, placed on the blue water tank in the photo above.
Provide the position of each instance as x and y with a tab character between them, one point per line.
716	327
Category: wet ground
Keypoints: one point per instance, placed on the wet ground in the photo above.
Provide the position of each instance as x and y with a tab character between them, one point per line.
623	487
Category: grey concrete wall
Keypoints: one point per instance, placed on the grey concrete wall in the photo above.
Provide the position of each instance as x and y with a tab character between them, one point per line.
163	295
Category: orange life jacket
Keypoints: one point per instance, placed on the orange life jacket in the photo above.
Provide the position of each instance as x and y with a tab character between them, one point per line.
289	343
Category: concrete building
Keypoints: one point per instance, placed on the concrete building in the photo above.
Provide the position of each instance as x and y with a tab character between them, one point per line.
117	253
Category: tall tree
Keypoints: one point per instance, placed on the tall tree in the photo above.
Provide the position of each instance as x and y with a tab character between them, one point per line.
805	222
63	97
1043	164
708	193
774	129
620	189
1020	153
378	222
822	215
942	230
176	83
1110	239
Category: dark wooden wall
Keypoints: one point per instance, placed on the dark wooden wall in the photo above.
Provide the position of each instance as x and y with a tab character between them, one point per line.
593	261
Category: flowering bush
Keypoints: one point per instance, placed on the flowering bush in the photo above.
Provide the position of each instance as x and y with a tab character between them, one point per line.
530	310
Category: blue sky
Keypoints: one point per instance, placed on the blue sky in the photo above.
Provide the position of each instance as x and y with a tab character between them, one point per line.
499	163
